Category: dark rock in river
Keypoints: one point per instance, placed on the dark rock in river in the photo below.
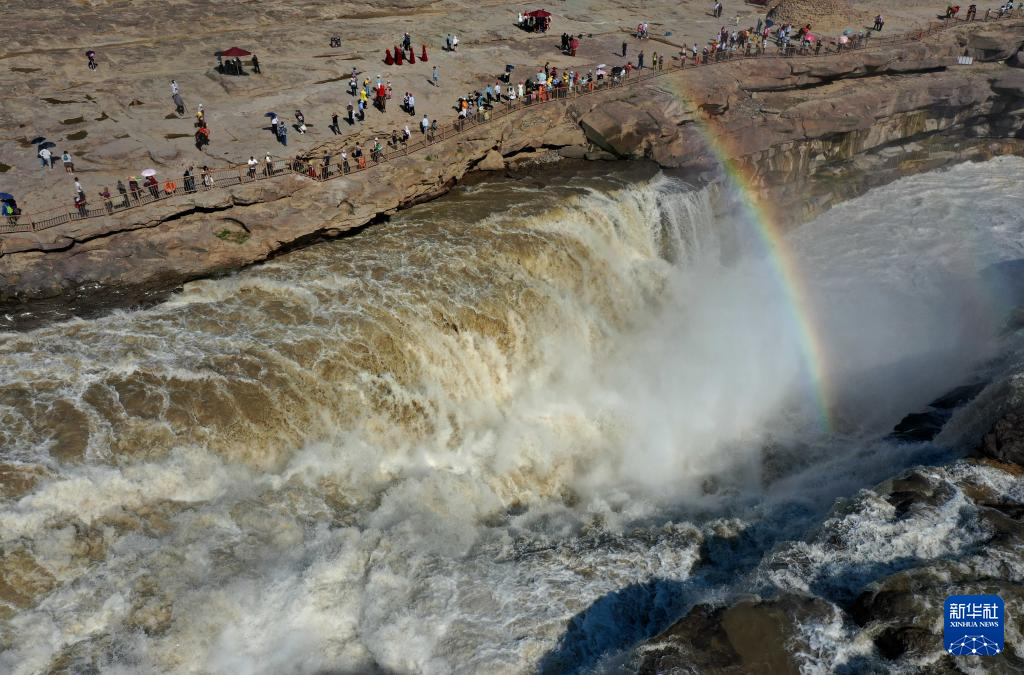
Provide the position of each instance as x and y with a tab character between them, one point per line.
751	636
1005	442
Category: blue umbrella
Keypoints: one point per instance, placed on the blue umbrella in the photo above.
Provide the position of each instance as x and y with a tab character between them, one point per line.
270	114
6	197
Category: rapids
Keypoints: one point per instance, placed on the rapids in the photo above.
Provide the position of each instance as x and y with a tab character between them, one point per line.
505	431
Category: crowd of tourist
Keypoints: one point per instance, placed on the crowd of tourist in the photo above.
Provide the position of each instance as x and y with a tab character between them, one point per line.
547	83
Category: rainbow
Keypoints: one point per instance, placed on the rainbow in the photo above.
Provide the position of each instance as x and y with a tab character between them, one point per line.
777	251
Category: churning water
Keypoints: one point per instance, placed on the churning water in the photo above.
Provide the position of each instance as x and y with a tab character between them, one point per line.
497	434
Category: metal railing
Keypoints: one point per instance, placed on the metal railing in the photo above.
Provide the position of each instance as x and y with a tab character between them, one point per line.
311	165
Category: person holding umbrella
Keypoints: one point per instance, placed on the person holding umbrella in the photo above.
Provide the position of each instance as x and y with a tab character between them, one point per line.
45	157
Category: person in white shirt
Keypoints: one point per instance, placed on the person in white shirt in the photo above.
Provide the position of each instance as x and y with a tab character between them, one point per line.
410	105
455	43
406	134
252	166
424	124
174	87
45	158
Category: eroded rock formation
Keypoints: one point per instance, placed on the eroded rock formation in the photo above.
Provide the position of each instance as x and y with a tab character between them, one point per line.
808	131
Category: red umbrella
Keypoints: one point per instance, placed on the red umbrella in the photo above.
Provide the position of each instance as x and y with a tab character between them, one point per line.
235	52
539	13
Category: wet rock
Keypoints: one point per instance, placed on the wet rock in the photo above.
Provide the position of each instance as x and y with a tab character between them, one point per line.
572	152
750	636
1005	442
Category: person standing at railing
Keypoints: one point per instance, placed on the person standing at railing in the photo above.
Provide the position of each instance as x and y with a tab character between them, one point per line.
133	187
207	177
78	186
189	180
424	124
9	212
152	186
123	191
80	205
105	194
345	168
252	168
406	135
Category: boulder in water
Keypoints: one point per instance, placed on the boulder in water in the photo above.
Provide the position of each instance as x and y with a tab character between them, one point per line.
1005	442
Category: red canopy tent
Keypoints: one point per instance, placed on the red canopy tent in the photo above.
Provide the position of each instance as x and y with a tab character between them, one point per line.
538	14
235	52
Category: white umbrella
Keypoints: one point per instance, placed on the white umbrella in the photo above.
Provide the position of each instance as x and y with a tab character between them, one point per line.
149	172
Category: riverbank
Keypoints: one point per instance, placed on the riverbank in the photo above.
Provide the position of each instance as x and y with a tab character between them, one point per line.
805	133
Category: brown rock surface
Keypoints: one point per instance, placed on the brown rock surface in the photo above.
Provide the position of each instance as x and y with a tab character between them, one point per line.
785	119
